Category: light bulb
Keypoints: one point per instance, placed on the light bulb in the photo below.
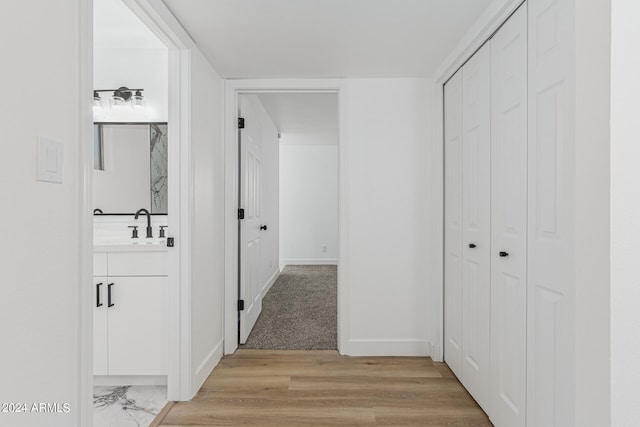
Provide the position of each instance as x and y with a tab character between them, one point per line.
96	101
137	101
117	101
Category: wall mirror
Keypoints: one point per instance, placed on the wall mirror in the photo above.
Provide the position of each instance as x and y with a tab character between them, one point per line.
130	167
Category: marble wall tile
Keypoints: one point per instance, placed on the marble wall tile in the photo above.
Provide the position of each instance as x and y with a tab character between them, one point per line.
159	168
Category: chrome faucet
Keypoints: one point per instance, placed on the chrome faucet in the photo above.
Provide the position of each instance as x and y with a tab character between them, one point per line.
149	229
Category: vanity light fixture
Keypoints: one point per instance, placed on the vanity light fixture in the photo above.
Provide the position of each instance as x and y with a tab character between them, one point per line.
122	97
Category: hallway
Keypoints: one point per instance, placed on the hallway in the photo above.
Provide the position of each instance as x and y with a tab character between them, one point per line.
299	311
322	388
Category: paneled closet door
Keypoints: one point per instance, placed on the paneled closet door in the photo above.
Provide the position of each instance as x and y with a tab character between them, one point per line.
453	223
509	222
476	220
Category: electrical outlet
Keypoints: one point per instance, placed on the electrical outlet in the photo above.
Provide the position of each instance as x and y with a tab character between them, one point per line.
323	248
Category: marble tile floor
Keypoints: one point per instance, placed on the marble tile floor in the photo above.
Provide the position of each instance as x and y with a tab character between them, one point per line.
127	406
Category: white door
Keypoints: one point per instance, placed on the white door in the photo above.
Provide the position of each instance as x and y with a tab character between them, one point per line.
551	275
141	350
509	222
476	236
250	227
100	328
453	224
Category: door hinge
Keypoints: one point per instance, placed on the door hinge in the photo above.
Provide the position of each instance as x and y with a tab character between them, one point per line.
240	213
240	122
170	242
240	304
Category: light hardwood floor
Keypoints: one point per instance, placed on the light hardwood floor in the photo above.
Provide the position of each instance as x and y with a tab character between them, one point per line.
322	388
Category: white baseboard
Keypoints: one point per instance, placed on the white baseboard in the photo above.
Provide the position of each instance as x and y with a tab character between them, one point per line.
326	261
207	365
271	281
435	352
404	347
111	380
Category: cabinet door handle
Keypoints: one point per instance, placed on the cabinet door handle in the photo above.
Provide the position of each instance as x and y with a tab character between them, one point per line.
263	227
109	296
503	254
472	245
98	292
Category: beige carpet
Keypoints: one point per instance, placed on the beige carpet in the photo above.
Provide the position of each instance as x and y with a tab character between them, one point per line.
299	312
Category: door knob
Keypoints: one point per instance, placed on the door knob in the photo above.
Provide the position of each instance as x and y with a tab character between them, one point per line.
263	227
472	245
503	254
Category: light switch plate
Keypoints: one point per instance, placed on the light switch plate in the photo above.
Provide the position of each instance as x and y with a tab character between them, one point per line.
50	160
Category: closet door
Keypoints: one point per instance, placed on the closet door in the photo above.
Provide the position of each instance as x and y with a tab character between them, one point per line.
453	223
476	237
509	222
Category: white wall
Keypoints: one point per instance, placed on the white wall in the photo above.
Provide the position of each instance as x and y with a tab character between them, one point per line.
384	213
592	222
134	68
308	201
41	222
207	216
385	176
625	214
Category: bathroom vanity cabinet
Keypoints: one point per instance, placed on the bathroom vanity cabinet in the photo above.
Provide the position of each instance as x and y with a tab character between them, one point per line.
130	314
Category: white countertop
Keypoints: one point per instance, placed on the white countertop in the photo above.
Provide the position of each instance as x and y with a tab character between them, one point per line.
156	245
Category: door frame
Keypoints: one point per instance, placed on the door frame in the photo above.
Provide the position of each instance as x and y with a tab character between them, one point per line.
157	17
250	86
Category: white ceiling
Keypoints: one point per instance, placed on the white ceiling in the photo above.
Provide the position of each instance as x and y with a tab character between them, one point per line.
311	117
326	38
115	26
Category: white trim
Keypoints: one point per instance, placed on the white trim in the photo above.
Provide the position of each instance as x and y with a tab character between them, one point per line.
85	309
436	244
110	380
230	223
157	17
325	261
488	23
179	221
270	282
204	370
176	374
490	20
233	88
400	347
435	350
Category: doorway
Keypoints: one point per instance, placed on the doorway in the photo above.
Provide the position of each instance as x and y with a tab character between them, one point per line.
131	206
289	141
288	234
176	49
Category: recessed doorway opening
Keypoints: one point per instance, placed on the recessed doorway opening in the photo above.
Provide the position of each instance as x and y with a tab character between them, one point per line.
287	196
